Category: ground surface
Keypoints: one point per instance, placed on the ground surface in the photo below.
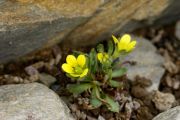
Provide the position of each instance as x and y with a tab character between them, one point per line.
137	103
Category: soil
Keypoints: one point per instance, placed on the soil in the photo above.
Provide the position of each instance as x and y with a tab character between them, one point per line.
136	102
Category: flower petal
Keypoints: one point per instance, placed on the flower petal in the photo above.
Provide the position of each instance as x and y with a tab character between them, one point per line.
84	73
131	45
126	38
124	42
121	46
81	60
71	60
74	75
106	56
100	56
115	39
67	68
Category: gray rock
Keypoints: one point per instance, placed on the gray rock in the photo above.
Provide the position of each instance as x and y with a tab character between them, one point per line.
47	79
177	30
171	114
27	25
148	63
31	102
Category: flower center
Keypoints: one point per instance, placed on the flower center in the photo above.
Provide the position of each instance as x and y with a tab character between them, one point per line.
78	70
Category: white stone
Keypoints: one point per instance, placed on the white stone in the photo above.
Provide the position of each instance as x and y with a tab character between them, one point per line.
31	102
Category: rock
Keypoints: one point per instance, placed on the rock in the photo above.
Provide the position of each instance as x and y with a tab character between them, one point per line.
171	114
123	16
139	92
28	25
31	102
100	117
47	79
148	63
163	101
177	30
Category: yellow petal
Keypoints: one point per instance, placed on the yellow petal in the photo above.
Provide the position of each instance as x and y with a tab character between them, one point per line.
100	57
71	60
131	45
115	39
84	73
121	46
124	42
67	68
81	60
106	55
74	75
125	39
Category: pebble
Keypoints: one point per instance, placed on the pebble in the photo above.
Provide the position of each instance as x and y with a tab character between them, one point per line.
163	101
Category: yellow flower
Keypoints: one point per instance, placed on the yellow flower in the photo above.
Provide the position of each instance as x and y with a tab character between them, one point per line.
125	43
102	57
75	67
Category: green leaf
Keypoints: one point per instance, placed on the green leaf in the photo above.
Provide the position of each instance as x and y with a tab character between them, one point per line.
119	73
115	84
88	78
93	61
95	102
110	47
100	48
112	105
79	88
95	92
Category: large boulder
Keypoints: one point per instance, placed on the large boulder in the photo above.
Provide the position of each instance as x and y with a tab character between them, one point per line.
31	102
28	25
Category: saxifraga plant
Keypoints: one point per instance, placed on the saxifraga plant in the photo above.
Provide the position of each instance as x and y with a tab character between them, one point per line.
95	71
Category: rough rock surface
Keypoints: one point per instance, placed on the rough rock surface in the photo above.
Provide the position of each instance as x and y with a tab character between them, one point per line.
148	63
31	102
27	25
171	114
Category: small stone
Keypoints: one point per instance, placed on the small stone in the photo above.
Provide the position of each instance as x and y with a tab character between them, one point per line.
9	79
139	92
83	116
91	118
47	79
163	101
100	117
58	58
33	78
30	70
172	82
32	101
171	67
171	114
136	105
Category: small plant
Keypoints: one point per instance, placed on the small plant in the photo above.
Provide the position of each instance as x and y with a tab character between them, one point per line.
94	72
